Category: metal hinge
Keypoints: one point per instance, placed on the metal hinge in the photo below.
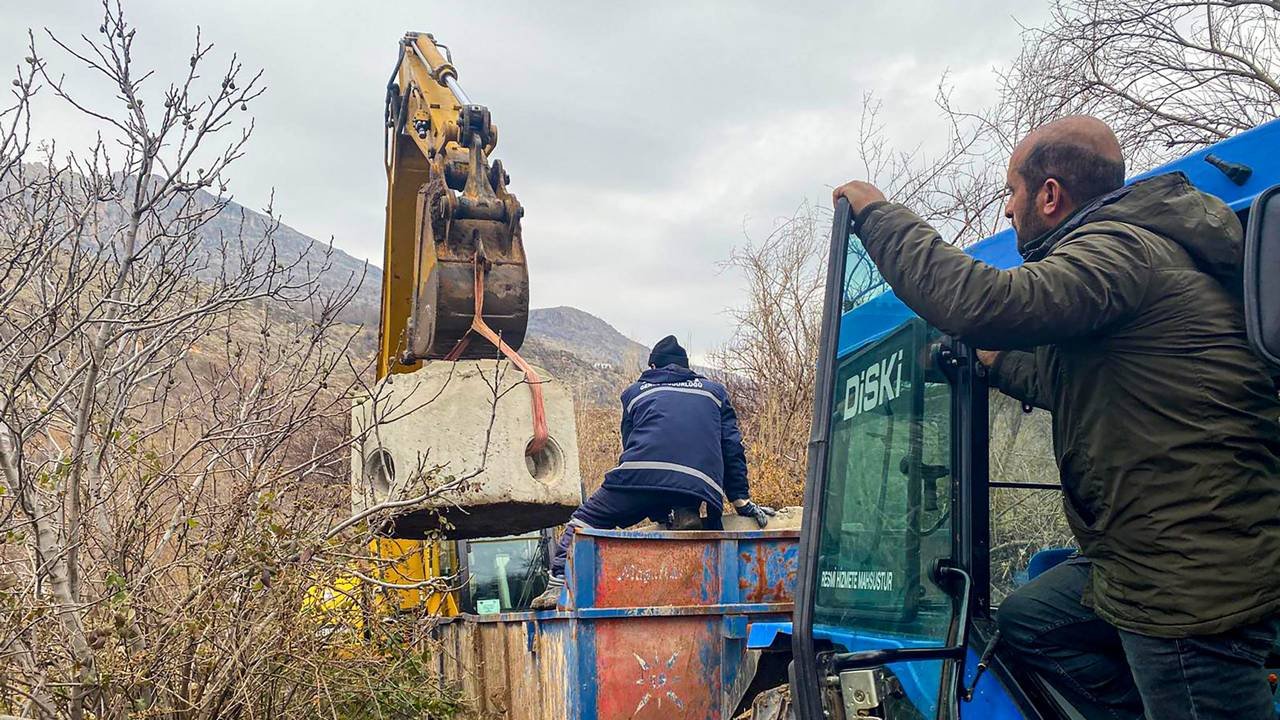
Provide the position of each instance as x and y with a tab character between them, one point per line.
864	692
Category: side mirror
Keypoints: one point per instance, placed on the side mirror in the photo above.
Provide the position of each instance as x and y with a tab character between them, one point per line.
1262	275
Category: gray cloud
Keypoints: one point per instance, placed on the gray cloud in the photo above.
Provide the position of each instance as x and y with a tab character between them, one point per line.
643	138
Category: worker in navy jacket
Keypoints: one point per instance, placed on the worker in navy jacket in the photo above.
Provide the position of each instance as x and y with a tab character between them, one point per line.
680	448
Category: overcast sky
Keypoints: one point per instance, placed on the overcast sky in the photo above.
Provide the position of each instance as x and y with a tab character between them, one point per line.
645	139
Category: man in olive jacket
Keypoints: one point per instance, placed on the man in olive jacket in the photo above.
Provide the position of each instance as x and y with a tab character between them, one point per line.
1126	323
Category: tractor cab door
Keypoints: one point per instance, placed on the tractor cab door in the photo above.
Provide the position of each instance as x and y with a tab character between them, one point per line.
880	623
1262	276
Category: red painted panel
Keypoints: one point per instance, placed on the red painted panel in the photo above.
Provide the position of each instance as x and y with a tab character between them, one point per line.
656	573
658	668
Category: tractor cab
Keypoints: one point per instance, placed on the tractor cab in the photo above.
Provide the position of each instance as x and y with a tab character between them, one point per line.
930	498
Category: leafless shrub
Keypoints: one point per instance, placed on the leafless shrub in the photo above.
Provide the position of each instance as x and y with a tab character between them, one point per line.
1168	76
769	362
174	518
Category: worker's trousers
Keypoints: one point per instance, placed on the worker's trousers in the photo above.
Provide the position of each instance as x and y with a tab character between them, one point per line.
609	508
1111	673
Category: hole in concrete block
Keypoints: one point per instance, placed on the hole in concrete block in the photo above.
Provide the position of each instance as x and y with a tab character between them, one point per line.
546	465
380	470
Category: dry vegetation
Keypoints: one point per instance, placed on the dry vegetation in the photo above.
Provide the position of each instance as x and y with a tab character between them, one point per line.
771	360
173	441
599	442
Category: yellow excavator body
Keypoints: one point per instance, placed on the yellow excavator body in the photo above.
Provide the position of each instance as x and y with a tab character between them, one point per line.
415	561
344	604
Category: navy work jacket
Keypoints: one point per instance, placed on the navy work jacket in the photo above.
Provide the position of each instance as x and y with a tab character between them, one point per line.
680	433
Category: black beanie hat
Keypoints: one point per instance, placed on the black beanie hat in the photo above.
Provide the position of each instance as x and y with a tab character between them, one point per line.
668	352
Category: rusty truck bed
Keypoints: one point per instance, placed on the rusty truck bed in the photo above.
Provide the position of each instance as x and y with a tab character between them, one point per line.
653	625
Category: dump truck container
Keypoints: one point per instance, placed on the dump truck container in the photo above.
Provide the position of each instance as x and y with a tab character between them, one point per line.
653	625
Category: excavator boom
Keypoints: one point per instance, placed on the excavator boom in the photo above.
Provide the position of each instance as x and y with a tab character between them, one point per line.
452	225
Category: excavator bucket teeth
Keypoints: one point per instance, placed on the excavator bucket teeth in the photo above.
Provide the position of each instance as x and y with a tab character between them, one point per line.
445	302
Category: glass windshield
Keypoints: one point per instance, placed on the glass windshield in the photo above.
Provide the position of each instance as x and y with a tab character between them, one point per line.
1024	520
504	575
888	492
887	515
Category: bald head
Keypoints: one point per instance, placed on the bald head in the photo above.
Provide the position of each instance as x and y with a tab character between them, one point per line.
1057	169
1081	152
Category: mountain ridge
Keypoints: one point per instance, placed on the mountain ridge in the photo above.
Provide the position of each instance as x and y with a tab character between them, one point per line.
575	346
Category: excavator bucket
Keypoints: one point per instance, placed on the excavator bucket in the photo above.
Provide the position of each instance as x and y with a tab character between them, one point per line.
483	228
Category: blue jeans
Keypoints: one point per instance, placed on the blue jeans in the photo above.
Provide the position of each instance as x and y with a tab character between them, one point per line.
1116	674
609	508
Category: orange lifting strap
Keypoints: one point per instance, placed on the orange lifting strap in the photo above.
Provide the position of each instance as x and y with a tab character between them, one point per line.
480	327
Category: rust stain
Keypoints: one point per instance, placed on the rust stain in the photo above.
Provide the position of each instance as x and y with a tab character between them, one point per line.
754	579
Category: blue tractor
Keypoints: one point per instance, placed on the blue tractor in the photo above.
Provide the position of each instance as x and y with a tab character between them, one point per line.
900	576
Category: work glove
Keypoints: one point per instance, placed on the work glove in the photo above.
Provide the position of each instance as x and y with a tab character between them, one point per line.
761	513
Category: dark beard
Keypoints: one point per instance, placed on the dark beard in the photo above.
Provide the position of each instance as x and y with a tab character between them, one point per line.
1030	229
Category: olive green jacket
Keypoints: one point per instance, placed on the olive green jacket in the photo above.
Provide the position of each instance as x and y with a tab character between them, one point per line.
1166	426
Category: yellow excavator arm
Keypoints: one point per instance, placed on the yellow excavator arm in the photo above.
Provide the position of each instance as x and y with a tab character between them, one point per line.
450	219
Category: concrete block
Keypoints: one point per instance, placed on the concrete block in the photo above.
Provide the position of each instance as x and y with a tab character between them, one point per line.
470	419
788	518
